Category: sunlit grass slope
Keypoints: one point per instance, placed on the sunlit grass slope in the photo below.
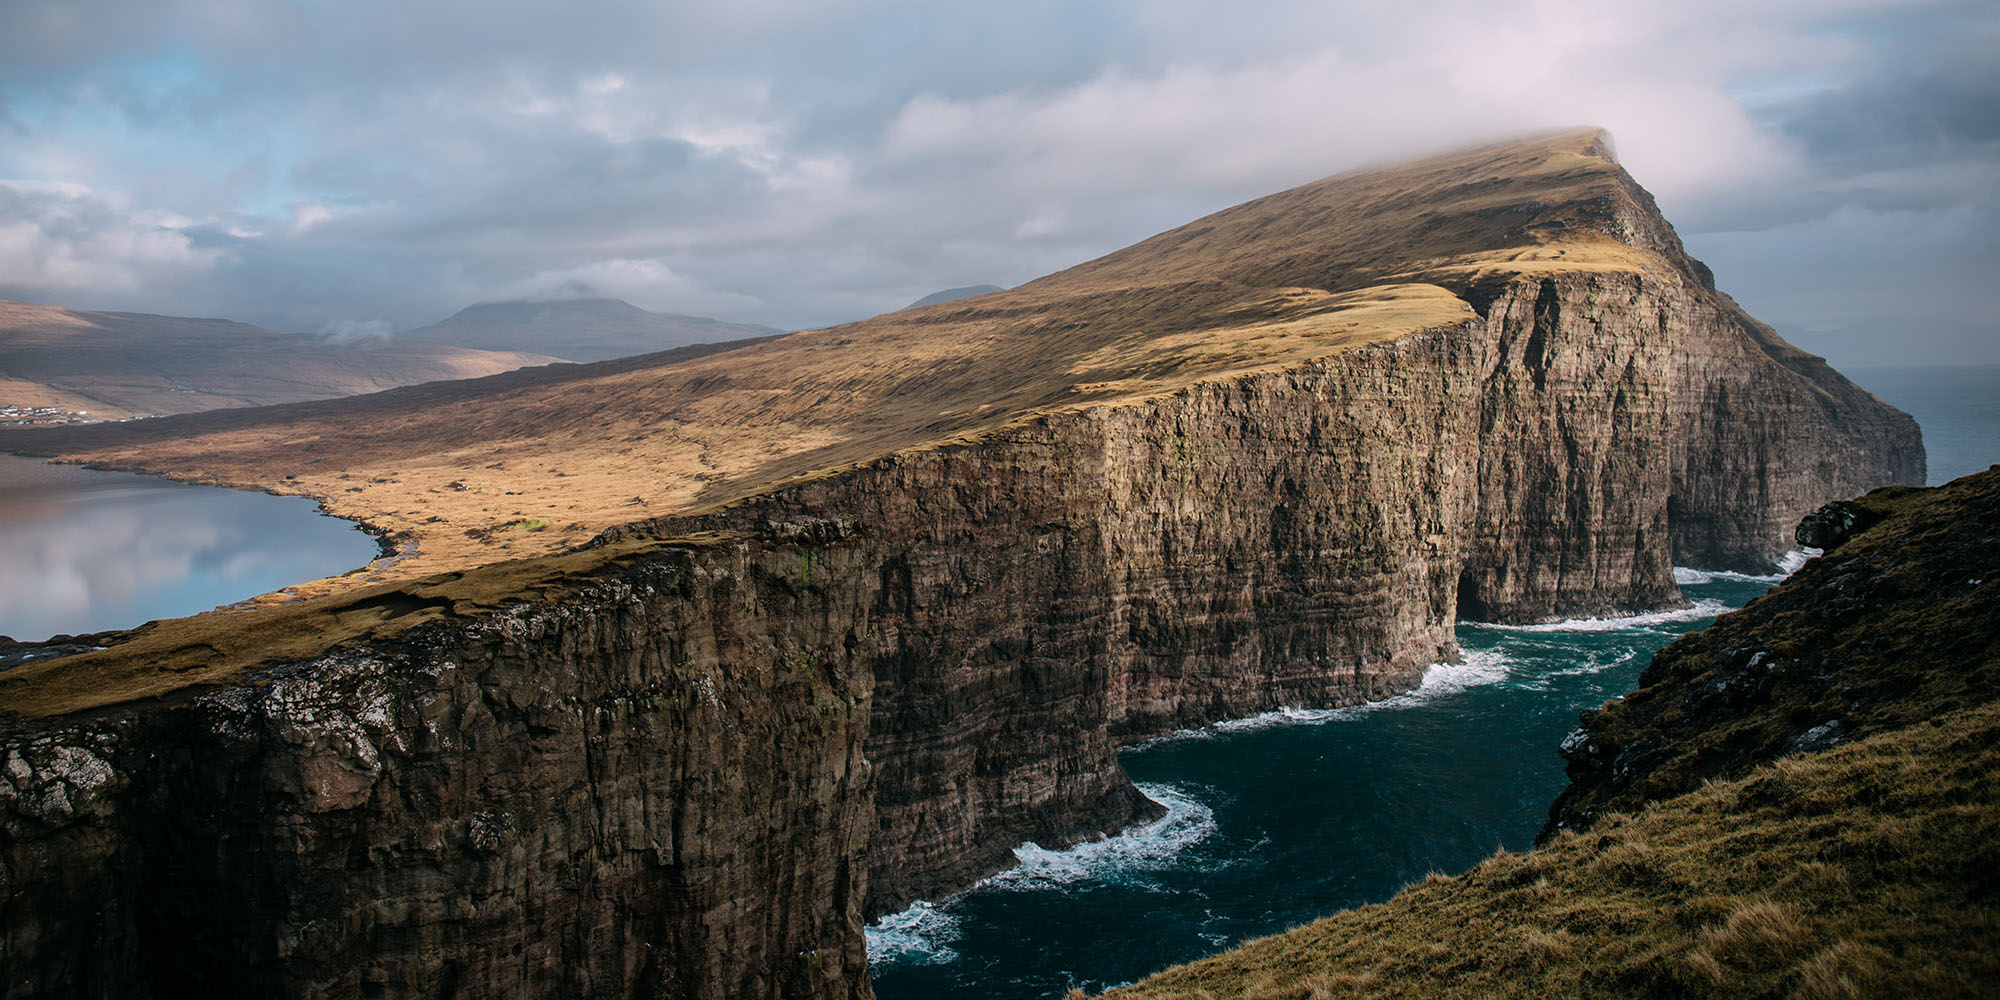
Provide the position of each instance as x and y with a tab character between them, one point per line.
1300	275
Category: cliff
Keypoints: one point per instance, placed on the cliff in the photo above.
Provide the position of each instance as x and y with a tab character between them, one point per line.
1801	800
1266	459
654	787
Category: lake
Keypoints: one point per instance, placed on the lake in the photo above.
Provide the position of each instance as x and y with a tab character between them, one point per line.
86	551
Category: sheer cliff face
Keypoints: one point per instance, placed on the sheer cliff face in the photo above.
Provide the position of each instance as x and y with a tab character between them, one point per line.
1570	419
1298	537
655	789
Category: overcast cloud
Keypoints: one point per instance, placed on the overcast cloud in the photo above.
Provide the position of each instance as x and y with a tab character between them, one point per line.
360	165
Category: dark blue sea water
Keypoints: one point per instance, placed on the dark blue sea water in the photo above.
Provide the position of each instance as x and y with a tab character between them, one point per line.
85	551
1280	819
1276	820
1958	408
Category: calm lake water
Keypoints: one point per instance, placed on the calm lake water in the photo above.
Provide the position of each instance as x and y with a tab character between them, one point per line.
85	551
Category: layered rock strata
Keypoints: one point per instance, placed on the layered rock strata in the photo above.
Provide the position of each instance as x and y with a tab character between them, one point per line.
978	625
1303	537
656	788
1802	799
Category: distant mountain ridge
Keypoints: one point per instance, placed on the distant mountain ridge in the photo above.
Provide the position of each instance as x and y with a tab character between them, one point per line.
119	364
953	295
586	329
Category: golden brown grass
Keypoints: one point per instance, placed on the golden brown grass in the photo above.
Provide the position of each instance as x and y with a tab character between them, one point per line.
1867	871
1280	281
454	472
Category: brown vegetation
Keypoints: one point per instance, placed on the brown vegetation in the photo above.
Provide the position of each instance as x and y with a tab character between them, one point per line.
1722	892
1302	274
1733	859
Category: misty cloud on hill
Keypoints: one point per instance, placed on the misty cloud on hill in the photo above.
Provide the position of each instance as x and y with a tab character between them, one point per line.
349	332
795	163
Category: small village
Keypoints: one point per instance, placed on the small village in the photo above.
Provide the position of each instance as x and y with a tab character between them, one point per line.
41	416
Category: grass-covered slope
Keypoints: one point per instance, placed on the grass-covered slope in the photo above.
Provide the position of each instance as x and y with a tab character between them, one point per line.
1304	274
586	329
1898	624
1777	867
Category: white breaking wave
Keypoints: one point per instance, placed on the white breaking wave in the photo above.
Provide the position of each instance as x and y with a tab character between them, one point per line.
922	934
925	932
1481	667
1704	608
1788	564
1594	664
1142	848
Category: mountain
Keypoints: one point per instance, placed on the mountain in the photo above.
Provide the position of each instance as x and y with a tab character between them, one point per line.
115	364
953	295
690	662
1321	271
578	329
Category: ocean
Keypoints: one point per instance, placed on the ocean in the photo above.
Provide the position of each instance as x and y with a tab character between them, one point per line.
1957	407
1275	820
1278	819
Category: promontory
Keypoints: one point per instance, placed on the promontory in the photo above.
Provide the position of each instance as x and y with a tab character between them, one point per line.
682	665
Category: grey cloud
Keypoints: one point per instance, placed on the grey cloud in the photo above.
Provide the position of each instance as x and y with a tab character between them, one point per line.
804	162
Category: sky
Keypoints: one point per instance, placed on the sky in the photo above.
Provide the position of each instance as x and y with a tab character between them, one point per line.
312	165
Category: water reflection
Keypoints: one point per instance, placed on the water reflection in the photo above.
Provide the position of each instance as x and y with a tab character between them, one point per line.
84	551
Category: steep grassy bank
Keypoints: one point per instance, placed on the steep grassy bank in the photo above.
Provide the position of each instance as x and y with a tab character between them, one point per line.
1745	858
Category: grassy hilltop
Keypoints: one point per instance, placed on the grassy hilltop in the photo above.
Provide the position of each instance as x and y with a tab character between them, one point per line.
1302	274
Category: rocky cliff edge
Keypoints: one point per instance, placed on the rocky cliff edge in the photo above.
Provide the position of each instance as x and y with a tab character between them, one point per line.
1267	459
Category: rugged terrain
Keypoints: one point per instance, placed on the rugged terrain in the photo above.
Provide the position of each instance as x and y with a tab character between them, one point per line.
1801	800
117	365
1264	459
579	329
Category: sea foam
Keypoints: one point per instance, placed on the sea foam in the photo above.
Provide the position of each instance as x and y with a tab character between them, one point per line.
1704	608
920	935
1135	850
924	933
1478	669
1788	564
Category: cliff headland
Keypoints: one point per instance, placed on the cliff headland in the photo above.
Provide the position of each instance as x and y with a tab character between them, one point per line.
693	660
1801	800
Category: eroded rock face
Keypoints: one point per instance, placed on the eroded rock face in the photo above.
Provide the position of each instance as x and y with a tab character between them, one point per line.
1297	537
1896	625
657	789
697	779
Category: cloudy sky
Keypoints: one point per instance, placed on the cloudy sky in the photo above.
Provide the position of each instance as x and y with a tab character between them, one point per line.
319	165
